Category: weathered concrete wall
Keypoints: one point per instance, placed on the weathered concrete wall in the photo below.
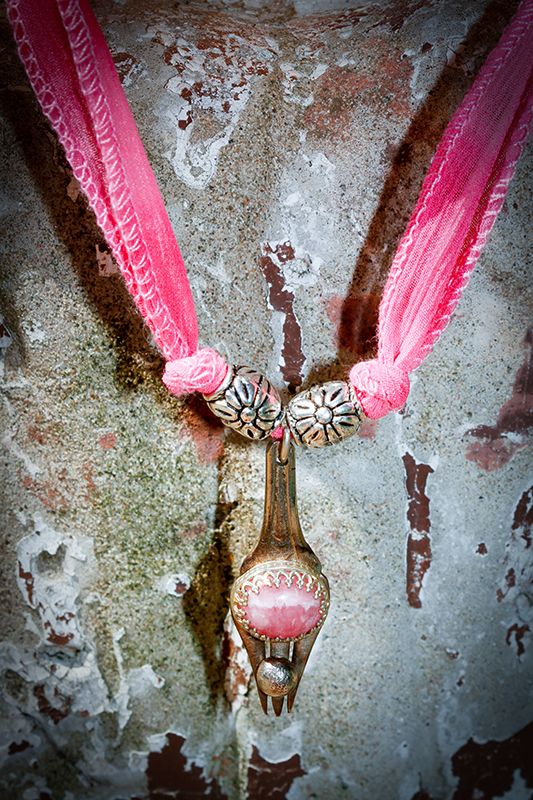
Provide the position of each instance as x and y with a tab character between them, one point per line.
290	149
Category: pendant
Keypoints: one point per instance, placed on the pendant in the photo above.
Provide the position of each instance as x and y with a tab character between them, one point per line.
281	598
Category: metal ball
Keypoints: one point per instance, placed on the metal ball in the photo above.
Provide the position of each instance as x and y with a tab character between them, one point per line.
276	677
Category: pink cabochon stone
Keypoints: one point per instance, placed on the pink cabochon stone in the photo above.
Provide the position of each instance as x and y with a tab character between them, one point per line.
283	612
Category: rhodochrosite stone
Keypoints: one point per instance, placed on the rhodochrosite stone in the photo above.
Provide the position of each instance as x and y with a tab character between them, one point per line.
286	611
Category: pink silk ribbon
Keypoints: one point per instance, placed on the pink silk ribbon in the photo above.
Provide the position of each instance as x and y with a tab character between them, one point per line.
72	73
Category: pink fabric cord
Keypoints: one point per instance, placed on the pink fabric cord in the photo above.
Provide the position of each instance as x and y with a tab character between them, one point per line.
72	73
461	196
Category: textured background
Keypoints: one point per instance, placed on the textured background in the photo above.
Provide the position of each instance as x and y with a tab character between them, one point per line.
290	141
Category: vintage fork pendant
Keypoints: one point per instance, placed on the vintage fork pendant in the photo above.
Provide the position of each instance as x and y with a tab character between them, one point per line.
281	598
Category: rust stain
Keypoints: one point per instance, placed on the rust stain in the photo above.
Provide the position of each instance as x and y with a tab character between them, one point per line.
518	578
180	588
56	638
510	581
515	634
282	300
204	428
493	447
170	776
523	518
29	580
486	771
236	676
55	712
108	440
355	320
41	432
418	541
124	64
482	549
18	747
267	781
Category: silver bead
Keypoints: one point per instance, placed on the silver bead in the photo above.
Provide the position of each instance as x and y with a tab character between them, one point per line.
276	677
325	414
248	403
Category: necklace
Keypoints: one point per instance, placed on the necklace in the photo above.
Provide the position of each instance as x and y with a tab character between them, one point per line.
280	600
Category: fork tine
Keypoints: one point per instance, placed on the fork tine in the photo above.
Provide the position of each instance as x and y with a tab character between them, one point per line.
302	649
256	653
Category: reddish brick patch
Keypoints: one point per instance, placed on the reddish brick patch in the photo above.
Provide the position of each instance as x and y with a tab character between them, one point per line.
268	781
283	300
515	634
368	429
486	771
18	747
124	64
29	580
58	709
169	776
418	543
510	581
204	428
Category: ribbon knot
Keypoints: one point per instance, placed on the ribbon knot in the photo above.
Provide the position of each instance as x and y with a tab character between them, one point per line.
203	372
380	387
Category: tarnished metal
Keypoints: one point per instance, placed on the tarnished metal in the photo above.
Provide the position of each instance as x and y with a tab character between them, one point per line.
247	402
281	557
283	452
325	414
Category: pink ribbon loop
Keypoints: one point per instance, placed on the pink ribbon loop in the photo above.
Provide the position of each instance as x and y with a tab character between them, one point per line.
381	388
203	372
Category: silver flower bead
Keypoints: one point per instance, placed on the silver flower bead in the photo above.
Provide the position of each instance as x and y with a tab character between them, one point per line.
247	402
325	414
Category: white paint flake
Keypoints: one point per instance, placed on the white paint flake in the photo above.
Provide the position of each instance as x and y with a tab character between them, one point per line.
213	81
50	580
33	331
137	682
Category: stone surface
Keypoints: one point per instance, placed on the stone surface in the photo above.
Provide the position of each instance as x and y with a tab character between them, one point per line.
290	141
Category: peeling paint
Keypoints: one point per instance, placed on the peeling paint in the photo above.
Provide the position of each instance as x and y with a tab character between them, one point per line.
211	88
490	770
267	780
50	580
275	258
170	774
495	445
418	541
515	587
238	668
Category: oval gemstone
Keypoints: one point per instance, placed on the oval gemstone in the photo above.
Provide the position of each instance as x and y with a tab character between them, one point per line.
284	611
